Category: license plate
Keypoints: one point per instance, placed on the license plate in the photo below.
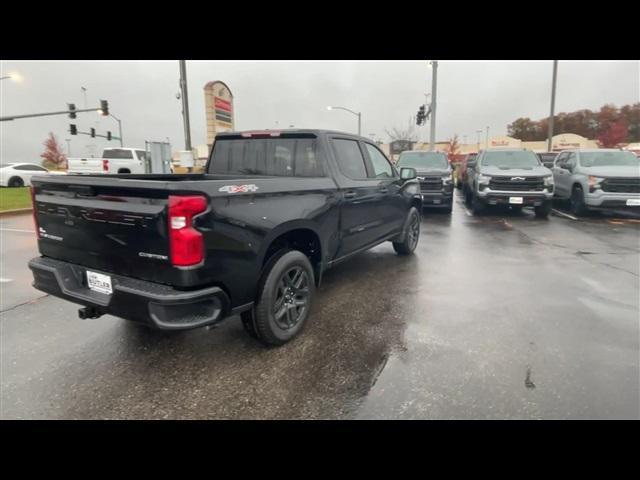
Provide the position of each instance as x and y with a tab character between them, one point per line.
515	200
633	202
436	201
99	282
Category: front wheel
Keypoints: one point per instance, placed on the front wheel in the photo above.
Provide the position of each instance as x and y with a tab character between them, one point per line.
477	206
578	206
543	210
411	234
285	299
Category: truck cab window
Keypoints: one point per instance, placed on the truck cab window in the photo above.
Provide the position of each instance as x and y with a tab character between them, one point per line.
381	166
350	159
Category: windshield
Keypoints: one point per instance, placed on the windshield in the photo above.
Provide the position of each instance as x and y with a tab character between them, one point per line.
609	159
423	160
510	159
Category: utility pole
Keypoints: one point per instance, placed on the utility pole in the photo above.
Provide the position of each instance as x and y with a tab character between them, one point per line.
553	104
478	132
84	91
487	139
434	87
185	105
119	127
68	140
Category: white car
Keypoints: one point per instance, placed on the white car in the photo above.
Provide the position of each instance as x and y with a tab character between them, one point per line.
19	174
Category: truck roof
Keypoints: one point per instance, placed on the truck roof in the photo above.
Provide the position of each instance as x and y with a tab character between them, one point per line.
278	132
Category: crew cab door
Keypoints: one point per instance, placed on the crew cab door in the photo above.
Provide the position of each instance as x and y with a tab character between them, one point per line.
363	199
562	174
394	206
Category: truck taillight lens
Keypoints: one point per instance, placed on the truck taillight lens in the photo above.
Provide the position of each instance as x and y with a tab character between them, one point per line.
35	211
105	165
186	244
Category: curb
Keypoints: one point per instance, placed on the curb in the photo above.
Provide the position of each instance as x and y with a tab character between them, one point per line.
17	211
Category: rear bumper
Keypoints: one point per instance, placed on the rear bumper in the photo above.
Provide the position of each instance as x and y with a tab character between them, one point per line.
156	305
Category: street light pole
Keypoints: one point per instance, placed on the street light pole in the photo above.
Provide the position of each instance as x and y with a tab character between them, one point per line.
185	105
486	145
68	140
434	87
479	132
553	104
357	114
119	127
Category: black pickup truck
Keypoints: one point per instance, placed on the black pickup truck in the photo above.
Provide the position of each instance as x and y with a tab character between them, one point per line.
251	236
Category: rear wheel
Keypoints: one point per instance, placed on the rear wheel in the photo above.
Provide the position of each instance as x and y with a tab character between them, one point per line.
16	182
283	306
578	206
411	234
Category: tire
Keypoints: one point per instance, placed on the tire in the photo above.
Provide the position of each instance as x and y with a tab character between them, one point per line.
477	206
411	234
578	206
516	208
543	210
15	182
276	318
467	197
248	323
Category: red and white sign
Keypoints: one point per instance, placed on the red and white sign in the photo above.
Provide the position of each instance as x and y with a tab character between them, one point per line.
221	104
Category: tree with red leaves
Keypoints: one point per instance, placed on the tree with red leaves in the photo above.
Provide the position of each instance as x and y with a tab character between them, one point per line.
453	149
53	156
614	134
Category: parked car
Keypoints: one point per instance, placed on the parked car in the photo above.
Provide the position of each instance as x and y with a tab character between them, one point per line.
19	174
462	170
598	179
509	176
113	160
434	174
548	158
252	236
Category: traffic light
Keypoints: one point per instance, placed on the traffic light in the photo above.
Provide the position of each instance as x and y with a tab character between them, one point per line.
104	107
93	133
108	136
421	116
72	110
73	130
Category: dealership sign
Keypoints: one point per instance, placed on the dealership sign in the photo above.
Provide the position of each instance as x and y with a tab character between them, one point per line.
219	109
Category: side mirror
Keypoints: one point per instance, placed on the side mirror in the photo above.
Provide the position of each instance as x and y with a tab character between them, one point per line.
408	173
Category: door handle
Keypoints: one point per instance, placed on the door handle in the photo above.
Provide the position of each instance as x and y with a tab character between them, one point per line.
384	190
350	194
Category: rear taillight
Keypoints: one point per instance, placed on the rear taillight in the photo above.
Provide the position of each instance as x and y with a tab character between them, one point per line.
261	134
105	165
35	211
186	244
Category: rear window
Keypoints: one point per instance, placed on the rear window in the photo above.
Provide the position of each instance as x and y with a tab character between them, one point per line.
282	157
116	153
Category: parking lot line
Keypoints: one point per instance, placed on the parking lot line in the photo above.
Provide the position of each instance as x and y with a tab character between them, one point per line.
562	214
16	230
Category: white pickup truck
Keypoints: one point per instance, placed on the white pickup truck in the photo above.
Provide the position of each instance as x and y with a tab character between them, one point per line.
113	160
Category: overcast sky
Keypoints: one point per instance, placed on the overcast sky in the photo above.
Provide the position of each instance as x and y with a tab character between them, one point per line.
471	95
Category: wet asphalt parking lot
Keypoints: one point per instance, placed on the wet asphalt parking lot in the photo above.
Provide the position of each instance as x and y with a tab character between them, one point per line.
502	316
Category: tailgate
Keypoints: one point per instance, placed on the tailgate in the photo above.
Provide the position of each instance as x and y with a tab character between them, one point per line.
113	229
85	165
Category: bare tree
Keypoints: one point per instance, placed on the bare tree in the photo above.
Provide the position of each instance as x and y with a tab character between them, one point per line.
407	133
